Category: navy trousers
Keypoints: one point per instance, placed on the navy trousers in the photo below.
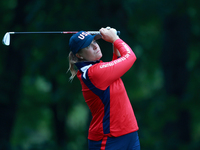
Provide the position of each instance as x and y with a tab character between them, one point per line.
126	142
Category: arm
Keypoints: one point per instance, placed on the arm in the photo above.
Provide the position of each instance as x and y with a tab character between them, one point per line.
104	74
110	35
116	53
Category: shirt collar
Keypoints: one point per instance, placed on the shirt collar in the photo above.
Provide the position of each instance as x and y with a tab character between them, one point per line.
82	64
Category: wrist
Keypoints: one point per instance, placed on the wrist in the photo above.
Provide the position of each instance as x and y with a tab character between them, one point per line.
116	38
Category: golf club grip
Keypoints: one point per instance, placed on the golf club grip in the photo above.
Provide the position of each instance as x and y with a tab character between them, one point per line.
97	32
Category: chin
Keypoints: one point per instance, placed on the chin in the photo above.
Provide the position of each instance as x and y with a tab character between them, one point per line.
100	57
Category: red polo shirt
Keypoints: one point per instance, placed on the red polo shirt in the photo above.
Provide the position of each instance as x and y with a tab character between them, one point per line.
105	94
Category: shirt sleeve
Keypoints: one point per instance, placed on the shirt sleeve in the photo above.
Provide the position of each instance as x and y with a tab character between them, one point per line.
114	56
104	74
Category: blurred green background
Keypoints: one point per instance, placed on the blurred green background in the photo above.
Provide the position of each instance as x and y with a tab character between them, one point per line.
41	110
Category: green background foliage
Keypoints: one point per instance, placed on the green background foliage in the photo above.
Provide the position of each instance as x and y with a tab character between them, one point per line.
41	110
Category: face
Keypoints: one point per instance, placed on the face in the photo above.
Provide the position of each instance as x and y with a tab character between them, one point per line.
91	53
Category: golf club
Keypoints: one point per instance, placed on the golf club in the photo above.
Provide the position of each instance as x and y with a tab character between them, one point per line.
6	38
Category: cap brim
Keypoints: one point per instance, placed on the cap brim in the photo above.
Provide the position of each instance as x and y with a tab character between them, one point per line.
98	36
88	42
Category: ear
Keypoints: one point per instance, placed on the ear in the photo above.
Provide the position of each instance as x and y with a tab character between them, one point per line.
79	56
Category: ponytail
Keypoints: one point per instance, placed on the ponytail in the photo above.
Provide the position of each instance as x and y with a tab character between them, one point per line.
72	60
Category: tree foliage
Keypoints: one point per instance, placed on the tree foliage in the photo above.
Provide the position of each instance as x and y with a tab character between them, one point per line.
41	109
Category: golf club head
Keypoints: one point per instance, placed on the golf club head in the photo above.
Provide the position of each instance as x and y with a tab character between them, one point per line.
6	39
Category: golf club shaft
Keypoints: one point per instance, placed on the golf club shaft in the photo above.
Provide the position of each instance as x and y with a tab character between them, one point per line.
58	32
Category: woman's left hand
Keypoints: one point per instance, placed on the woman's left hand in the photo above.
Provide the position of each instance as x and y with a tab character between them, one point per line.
109	34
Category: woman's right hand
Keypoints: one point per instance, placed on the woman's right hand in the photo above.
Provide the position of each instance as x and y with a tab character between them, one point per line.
109	34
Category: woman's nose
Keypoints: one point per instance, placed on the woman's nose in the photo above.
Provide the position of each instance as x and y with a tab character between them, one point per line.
94	46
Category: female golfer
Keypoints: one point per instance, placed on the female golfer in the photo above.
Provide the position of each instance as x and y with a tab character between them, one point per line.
113	125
